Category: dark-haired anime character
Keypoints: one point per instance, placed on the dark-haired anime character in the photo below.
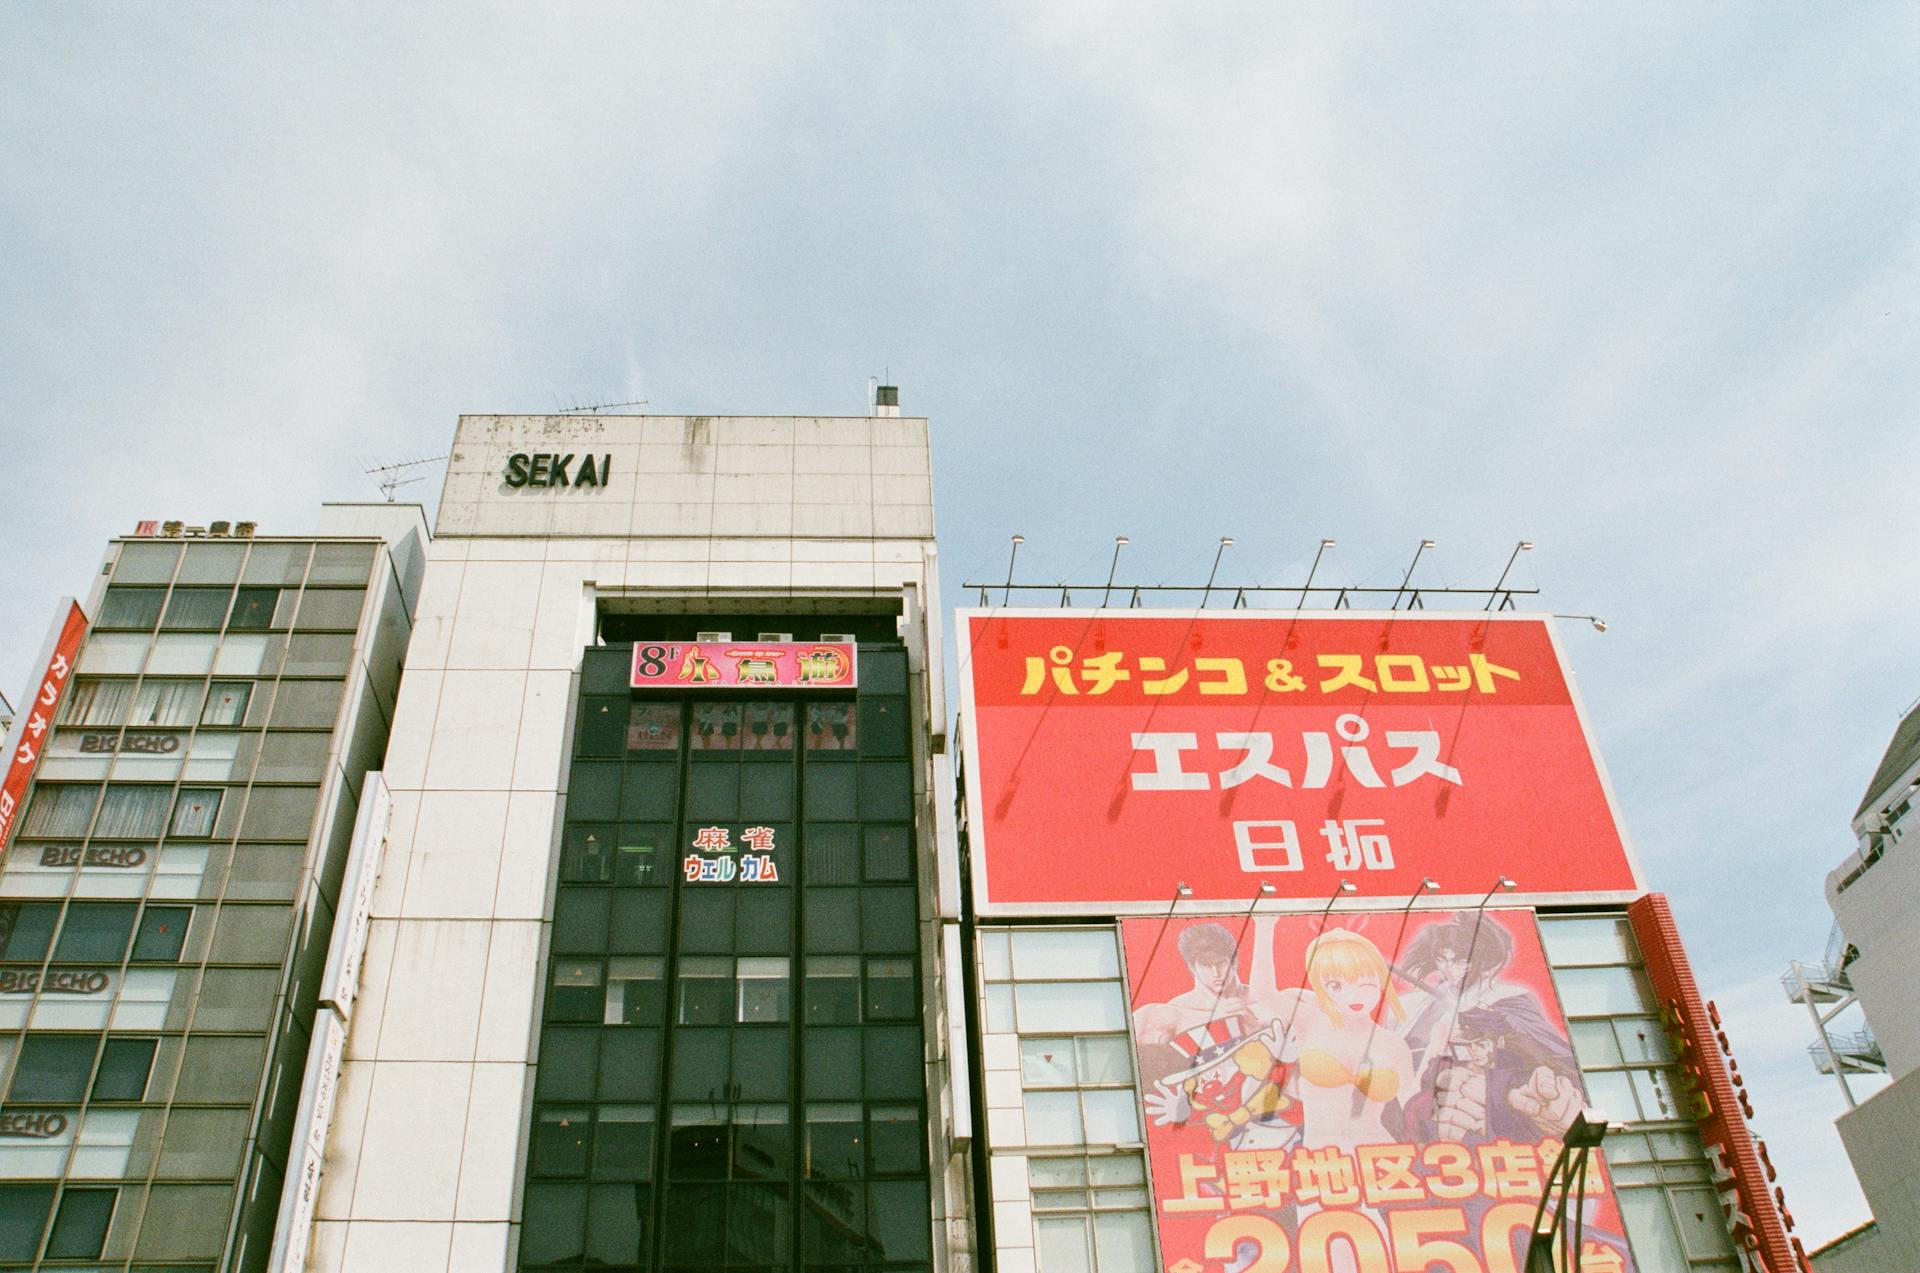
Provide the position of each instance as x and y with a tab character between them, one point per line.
1487	1052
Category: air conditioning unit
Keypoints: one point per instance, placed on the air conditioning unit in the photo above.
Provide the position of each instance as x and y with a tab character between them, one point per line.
713	636
775	636
837	638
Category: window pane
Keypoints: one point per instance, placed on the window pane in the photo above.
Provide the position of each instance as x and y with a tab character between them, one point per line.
132	813
113	652
833	990
832	855
182	654
1123	1240
706	991
93	701
580	920
629	1065
124	1067
648	793
26	929
1046	1062
130	608
163	931
226	703
211	563
1065	953
883	726
1587	941
196	608
1656	1245
322	655
887	917
554	1226
835	1142
577	993
716	727
639	918
242	654
830	727
276	564
23	1214
1089	1006
253	609
306	705
166	703
1593	992
279	813
1112	1117
1053	1118
890	990
623	1143
601	718
146	563
896	1139
636	991
330	608
568	1061
1062	1245
80	1227
653	727
194	812
1105	1059
562	1135
901	1223
768	727
53	1068
713	791
889	853
763	994
341	563
95	932
766	792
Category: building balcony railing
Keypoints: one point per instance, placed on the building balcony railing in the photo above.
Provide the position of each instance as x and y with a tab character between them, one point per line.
1853	1052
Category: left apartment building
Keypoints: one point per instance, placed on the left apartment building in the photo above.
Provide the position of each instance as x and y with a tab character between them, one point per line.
169	895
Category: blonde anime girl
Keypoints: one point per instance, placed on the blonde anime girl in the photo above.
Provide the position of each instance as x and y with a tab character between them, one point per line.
1350	1064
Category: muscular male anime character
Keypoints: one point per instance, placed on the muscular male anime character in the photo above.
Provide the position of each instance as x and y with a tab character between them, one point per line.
1209	1050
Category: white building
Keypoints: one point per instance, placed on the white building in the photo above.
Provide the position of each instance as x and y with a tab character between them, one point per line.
1872	895
514	1054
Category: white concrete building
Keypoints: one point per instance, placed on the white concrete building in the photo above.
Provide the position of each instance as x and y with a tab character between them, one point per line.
560	542
1872	895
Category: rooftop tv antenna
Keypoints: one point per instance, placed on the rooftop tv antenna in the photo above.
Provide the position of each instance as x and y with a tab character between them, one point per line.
391	477
595	406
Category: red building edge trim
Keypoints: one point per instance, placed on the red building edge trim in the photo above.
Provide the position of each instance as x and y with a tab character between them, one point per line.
1756	1214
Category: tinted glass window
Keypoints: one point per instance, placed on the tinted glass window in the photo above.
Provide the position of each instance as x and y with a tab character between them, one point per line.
124	1066
26	928
163	931
80	1226
23	1215
53	1068
95	932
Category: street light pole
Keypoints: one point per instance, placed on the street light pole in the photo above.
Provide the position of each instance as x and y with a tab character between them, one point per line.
1570	1174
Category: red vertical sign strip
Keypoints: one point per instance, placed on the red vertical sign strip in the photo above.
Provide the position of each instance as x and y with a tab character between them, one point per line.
30	731
1756	1217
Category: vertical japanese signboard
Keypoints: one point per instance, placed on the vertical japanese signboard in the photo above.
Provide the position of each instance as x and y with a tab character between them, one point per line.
1112	756
1756	1218
34	724
1384	1092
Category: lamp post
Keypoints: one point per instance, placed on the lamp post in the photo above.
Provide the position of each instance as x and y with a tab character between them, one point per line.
1570	1174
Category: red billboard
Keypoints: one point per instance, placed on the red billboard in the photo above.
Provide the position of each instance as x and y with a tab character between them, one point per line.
1113	756
744	665
29	736
1375	1092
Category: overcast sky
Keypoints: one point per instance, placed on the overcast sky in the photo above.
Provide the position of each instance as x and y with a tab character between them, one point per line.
1633	282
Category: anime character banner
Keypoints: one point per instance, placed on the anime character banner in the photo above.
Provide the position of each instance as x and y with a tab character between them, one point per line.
1386	1093
1113	755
